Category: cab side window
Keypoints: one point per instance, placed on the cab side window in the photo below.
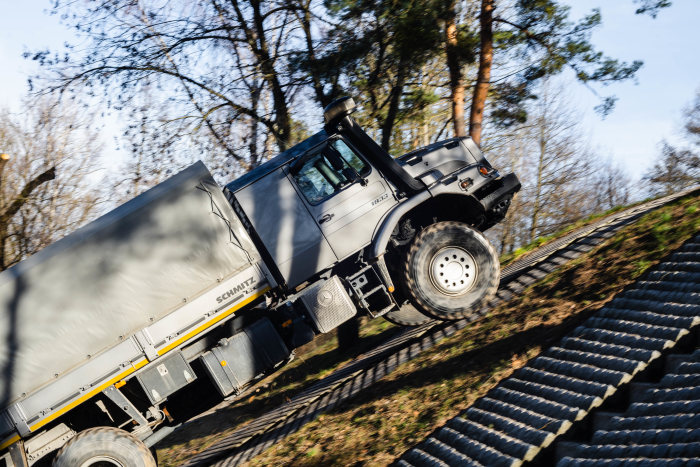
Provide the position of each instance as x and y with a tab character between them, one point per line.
316	179
332	168
350	157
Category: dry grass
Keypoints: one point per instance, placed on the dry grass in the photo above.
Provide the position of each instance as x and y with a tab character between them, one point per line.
313	361
403	408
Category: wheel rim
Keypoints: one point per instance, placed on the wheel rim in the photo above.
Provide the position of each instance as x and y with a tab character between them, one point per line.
102	461
453	270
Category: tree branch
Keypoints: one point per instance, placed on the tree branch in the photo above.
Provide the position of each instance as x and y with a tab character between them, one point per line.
22	198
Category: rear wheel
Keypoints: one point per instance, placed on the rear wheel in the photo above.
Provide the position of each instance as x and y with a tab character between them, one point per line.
451	270
407	315
104	447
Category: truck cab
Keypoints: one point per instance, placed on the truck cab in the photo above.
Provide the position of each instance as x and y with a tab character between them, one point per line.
338	203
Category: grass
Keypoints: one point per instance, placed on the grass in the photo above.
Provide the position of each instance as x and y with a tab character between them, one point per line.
400	428
403	408
508	258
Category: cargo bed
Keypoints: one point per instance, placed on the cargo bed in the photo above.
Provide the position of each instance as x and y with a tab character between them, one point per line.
98	305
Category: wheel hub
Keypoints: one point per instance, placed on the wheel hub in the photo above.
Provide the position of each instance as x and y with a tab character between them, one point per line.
453	270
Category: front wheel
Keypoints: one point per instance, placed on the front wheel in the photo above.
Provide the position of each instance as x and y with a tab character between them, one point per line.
451	270
104	447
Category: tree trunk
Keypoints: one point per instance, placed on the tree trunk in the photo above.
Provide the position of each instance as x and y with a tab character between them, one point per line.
305	20
3	161
394	103
3	241
454	65
537	202
483	76
508	226
255	158
16	205
257	39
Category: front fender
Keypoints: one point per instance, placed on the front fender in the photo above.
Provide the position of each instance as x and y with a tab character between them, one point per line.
383	233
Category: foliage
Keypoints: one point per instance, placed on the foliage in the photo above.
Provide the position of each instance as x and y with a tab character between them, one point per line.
236	77
221	68
543	37
382	47
651	7
235	82
45	188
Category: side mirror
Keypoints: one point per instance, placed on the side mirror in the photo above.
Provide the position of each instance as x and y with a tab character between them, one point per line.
341	166
334	157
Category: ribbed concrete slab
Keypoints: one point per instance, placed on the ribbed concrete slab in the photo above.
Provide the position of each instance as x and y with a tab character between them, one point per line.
676	462
646	436
603	348
674	394
573	377
650	451
627	339
664	425
480	452
517	413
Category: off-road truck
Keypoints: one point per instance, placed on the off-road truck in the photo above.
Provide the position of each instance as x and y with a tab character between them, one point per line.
190	288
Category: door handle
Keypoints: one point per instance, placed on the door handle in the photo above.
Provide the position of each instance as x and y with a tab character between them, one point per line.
325	218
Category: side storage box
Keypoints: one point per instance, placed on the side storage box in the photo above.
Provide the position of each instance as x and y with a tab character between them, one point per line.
166	377
240	358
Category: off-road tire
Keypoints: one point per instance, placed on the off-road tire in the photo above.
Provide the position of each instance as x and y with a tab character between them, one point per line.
407	315
475	263
104	444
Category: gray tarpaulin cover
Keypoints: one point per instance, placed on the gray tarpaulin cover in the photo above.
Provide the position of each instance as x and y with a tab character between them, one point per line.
79	295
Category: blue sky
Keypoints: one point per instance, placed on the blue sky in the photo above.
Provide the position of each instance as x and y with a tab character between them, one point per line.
645	114
650	110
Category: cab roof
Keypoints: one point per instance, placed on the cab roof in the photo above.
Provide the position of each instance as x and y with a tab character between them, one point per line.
276	162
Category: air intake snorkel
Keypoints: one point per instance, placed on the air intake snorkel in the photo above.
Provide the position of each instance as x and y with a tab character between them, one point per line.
338	120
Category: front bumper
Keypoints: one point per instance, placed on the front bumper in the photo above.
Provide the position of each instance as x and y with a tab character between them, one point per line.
498	193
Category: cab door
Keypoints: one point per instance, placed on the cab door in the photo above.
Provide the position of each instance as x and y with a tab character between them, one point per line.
345	195
286	227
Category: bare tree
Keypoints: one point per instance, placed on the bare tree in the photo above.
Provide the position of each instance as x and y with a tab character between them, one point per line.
49	155
678	169
154	149
510	149
550	156
561	161
610	185
692	121
215	64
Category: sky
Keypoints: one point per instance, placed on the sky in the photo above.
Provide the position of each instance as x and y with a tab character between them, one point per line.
25	26
652	108
647	111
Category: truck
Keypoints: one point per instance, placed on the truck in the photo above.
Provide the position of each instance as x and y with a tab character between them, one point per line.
194	287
